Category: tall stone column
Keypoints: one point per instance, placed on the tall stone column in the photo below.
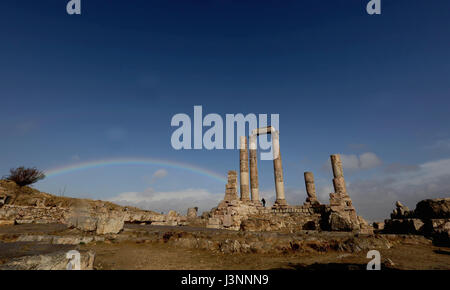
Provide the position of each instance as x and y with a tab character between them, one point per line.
243	156
310	187
278	170
254	169
338	173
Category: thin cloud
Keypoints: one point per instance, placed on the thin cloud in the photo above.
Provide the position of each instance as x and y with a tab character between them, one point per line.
374	198
366	160
163	201
159	174
399	168
353	162
442	144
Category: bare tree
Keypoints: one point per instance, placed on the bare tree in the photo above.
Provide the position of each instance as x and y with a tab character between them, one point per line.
25	176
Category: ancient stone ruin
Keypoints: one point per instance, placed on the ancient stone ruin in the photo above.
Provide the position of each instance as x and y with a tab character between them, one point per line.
100	217
248	214
431	218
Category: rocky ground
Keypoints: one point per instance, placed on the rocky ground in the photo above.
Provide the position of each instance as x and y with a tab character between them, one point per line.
38	229
165	247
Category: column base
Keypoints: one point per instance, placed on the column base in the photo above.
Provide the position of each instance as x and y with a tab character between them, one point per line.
280	203
311	200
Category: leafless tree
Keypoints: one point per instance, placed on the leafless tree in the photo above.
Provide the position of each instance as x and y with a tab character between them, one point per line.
25	176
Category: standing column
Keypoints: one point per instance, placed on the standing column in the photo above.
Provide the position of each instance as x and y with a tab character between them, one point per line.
338	173
278	169
243	156
310	187
254	169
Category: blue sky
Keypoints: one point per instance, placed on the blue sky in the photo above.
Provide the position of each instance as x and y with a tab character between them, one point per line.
107	83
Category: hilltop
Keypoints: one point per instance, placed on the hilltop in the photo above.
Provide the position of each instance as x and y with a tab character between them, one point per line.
12	194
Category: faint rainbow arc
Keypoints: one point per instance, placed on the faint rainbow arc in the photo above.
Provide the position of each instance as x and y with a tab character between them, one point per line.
132	161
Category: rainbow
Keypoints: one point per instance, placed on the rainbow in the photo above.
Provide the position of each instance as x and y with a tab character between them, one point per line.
132	161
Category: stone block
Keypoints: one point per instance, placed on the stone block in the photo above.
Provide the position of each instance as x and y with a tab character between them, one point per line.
7	222
192	212
214	221
227	221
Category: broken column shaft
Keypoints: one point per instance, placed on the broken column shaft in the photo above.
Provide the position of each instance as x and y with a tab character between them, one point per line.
310	187
254	169
231	187
243	159
338	173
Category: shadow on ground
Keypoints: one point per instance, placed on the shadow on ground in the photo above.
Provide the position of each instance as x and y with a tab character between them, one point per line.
443	252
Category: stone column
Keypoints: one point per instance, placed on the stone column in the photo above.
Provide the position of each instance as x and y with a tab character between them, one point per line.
338	173
278	170
231	187
310	187
254	169
243	156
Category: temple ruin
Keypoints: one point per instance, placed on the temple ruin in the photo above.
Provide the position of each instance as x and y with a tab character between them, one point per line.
247	213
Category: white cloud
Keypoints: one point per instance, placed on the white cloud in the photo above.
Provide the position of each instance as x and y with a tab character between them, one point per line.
354	162
350	162
159	174
366	160
163	201
375	198
369	160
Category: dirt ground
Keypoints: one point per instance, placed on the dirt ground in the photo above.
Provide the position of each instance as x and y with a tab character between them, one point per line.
132	256
138	254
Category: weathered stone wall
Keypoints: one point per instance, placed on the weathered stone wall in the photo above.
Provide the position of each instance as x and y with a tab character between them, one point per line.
230	214
20	205
238	215
290	222
33	214
85	218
